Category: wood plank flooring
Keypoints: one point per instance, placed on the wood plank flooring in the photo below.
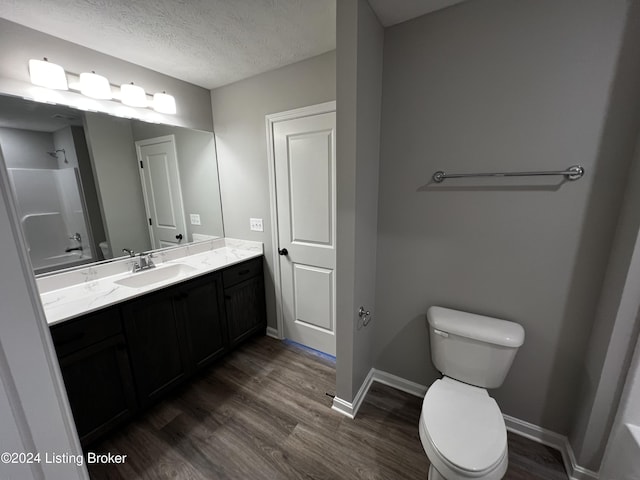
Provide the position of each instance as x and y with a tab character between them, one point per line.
262	413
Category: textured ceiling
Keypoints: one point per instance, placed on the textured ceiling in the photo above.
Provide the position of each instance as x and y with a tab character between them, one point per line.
205	42
209	43
390	12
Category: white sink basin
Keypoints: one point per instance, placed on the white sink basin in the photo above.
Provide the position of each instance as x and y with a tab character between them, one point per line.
155	275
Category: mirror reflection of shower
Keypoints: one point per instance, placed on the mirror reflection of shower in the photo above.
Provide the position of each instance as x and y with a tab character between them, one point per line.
46	184
55	154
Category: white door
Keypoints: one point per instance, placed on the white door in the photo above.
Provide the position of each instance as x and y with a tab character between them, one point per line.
160	178
305	165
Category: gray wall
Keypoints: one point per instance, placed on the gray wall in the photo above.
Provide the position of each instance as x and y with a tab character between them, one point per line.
18	44
239	113
115	168
502	85
615	327
89	189
359	88
196	152
621	461
27	149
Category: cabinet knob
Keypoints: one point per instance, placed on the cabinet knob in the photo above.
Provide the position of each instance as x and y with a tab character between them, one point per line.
283	251
179	236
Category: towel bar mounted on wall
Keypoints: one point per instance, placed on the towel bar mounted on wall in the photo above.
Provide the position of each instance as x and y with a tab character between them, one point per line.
574	172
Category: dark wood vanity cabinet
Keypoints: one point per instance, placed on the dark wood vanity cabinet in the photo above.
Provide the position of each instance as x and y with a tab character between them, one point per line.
94	362
157	344
174	332
126	357
244	300
200	305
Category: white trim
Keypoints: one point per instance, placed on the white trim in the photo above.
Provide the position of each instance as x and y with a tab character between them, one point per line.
553	440
514	425
351	409
343	407
273	333
270	120
399	383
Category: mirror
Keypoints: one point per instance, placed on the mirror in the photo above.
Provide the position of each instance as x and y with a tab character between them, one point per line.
88	185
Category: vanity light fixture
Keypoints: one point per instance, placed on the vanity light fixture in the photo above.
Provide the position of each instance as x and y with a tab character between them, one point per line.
133	95
164	103
53	77
95	86
46	74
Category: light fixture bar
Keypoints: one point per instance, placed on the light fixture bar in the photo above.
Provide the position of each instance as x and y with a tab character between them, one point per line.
53	77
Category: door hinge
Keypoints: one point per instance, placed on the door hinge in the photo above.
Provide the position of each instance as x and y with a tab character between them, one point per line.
150	222
141	164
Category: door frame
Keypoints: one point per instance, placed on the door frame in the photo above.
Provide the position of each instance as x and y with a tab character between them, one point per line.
150	141
270	121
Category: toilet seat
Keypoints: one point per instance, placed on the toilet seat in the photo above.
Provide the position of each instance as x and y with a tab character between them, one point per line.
463	426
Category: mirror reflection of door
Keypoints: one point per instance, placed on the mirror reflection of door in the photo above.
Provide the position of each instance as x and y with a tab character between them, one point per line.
160	179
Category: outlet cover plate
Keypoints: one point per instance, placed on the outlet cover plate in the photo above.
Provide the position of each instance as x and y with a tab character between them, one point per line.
195	218
256	225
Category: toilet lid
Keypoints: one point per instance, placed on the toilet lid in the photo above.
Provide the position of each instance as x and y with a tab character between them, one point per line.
464	424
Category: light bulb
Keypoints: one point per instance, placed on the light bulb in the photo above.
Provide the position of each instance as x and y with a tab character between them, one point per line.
95	86
46	74
133	95
164	103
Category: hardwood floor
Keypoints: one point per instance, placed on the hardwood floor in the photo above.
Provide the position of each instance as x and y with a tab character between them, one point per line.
262	413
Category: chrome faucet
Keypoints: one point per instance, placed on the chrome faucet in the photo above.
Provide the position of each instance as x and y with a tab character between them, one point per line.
145	262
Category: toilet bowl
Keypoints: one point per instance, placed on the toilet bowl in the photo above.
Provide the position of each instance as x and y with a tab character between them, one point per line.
461	427
463	432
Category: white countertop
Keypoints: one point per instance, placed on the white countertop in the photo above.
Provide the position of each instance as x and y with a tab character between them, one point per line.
72	294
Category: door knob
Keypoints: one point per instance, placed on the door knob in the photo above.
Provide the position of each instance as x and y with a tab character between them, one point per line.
283	251
179	236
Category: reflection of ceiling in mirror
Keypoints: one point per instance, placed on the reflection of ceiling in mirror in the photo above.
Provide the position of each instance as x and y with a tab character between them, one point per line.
205	42
41	117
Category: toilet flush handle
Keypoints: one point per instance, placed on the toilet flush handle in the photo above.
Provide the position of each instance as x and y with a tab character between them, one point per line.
441	333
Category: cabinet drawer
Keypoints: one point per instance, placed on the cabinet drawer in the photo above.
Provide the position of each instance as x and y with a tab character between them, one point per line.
241	272
73	335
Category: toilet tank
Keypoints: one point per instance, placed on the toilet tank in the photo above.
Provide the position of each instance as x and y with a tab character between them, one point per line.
473	348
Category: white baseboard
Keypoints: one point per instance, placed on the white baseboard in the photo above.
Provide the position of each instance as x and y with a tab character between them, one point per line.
351	409
553	440
273	333
515	425
343	407
399	383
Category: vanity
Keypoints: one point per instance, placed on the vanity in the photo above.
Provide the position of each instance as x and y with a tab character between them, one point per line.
124	340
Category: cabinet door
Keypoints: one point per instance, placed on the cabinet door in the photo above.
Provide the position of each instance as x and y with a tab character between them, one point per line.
201	307
99	387
156	344
245	309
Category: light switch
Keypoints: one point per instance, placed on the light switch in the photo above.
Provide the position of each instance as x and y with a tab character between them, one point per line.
195	218
256	224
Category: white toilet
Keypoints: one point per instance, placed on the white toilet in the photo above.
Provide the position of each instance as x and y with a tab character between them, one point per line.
461	426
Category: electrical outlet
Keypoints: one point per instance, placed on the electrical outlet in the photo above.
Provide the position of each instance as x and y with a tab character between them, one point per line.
195	219
256	224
